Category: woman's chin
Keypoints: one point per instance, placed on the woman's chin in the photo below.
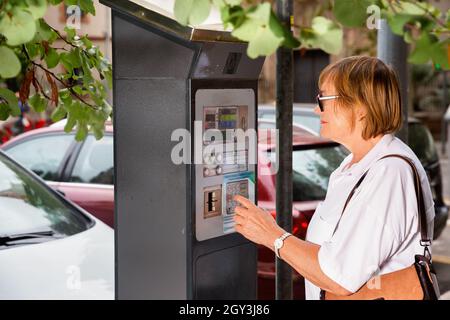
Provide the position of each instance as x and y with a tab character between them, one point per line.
323	133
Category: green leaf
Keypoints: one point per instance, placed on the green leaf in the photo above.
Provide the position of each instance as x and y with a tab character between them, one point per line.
351	13
59	113
52	58
289	40
87	43
233	2
82	131
9	63
408	37
37	8
4	111
397	22
107	109
440	55
74	58
422	51
70	33
19	28
324	34
98	132
87	6
71	60
78	90
70	124
65	98
265	43
66	62
261	13
222	3
32	49
261	30
429	48
233	15
411	8
43	32
108	76
87	74
11	100
38	103
191	12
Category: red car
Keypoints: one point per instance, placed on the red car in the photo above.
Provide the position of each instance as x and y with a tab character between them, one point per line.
83	172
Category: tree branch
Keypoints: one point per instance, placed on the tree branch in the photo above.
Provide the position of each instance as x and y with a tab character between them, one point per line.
429	15
58	79
61	37
41	89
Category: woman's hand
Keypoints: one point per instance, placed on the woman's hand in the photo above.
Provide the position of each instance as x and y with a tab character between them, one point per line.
255	224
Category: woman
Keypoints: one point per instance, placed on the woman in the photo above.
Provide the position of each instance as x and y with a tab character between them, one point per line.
359	107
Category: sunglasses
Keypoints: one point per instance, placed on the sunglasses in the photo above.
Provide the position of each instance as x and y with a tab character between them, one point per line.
320	98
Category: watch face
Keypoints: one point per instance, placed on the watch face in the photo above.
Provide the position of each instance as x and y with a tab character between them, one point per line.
278	243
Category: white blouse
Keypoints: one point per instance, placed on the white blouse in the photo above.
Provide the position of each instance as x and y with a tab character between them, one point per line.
379	230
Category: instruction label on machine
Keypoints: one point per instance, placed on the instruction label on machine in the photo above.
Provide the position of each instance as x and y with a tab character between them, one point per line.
235	184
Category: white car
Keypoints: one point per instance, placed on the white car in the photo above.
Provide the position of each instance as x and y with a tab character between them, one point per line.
49	247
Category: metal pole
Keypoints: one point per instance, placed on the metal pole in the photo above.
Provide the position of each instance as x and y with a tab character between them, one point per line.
393	50
284	190
444	121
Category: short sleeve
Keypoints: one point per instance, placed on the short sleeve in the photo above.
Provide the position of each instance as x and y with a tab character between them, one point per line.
374	225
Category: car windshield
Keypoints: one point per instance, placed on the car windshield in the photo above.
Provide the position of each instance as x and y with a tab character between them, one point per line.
312	169
300	117
28	206
311	121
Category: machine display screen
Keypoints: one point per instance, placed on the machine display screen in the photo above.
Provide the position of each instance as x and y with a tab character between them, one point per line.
228	118
225	118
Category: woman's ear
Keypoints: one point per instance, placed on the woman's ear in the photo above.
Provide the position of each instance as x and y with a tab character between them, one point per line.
361	113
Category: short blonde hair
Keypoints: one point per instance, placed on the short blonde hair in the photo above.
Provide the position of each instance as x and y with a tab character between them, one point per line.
370	83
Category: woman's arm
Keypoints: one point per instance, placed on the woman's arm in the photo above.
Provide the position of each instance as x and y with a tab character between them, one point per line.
259	226
303	257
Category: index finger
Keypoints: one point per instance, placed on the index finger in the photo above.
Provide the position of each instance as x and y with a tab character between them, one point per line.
243	201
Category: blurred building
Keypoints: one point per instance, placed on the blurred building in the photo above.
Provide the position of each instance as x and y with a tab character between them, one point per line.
98	27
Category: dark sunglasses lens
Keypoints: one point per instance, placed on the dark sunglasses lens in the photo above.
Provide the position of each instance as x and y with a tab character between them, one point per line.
319	102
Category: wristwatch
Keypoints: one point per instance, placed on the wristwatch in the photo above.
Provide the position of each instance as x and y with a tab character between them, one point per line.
279	242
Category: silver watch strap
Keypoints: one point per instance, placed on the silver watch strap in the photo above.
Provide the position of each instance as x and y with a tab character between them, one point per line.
282	238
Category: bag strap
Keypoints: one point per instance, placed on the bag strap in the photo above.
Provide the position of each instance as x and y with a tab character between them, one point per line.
425	241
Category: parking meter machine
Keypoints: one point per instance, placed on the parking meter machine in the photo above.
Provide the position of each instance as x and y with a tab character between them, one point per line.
185	104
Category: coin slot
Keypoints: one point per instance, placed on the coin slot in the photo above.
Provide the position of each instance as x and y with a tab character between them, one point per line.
212	202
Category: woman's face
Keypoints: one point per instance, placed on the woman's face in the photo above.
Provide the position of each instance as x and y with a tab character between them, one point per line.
335	122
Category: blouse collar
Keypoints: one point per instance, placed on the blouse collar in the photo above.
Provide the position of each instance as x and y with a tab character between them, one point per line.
374	154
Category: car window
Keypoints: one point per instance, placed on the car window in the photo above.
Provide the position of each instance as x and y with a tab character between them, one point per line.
311	121
27	205
43	155
266	125
307	119
95	162
421	142
312	169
